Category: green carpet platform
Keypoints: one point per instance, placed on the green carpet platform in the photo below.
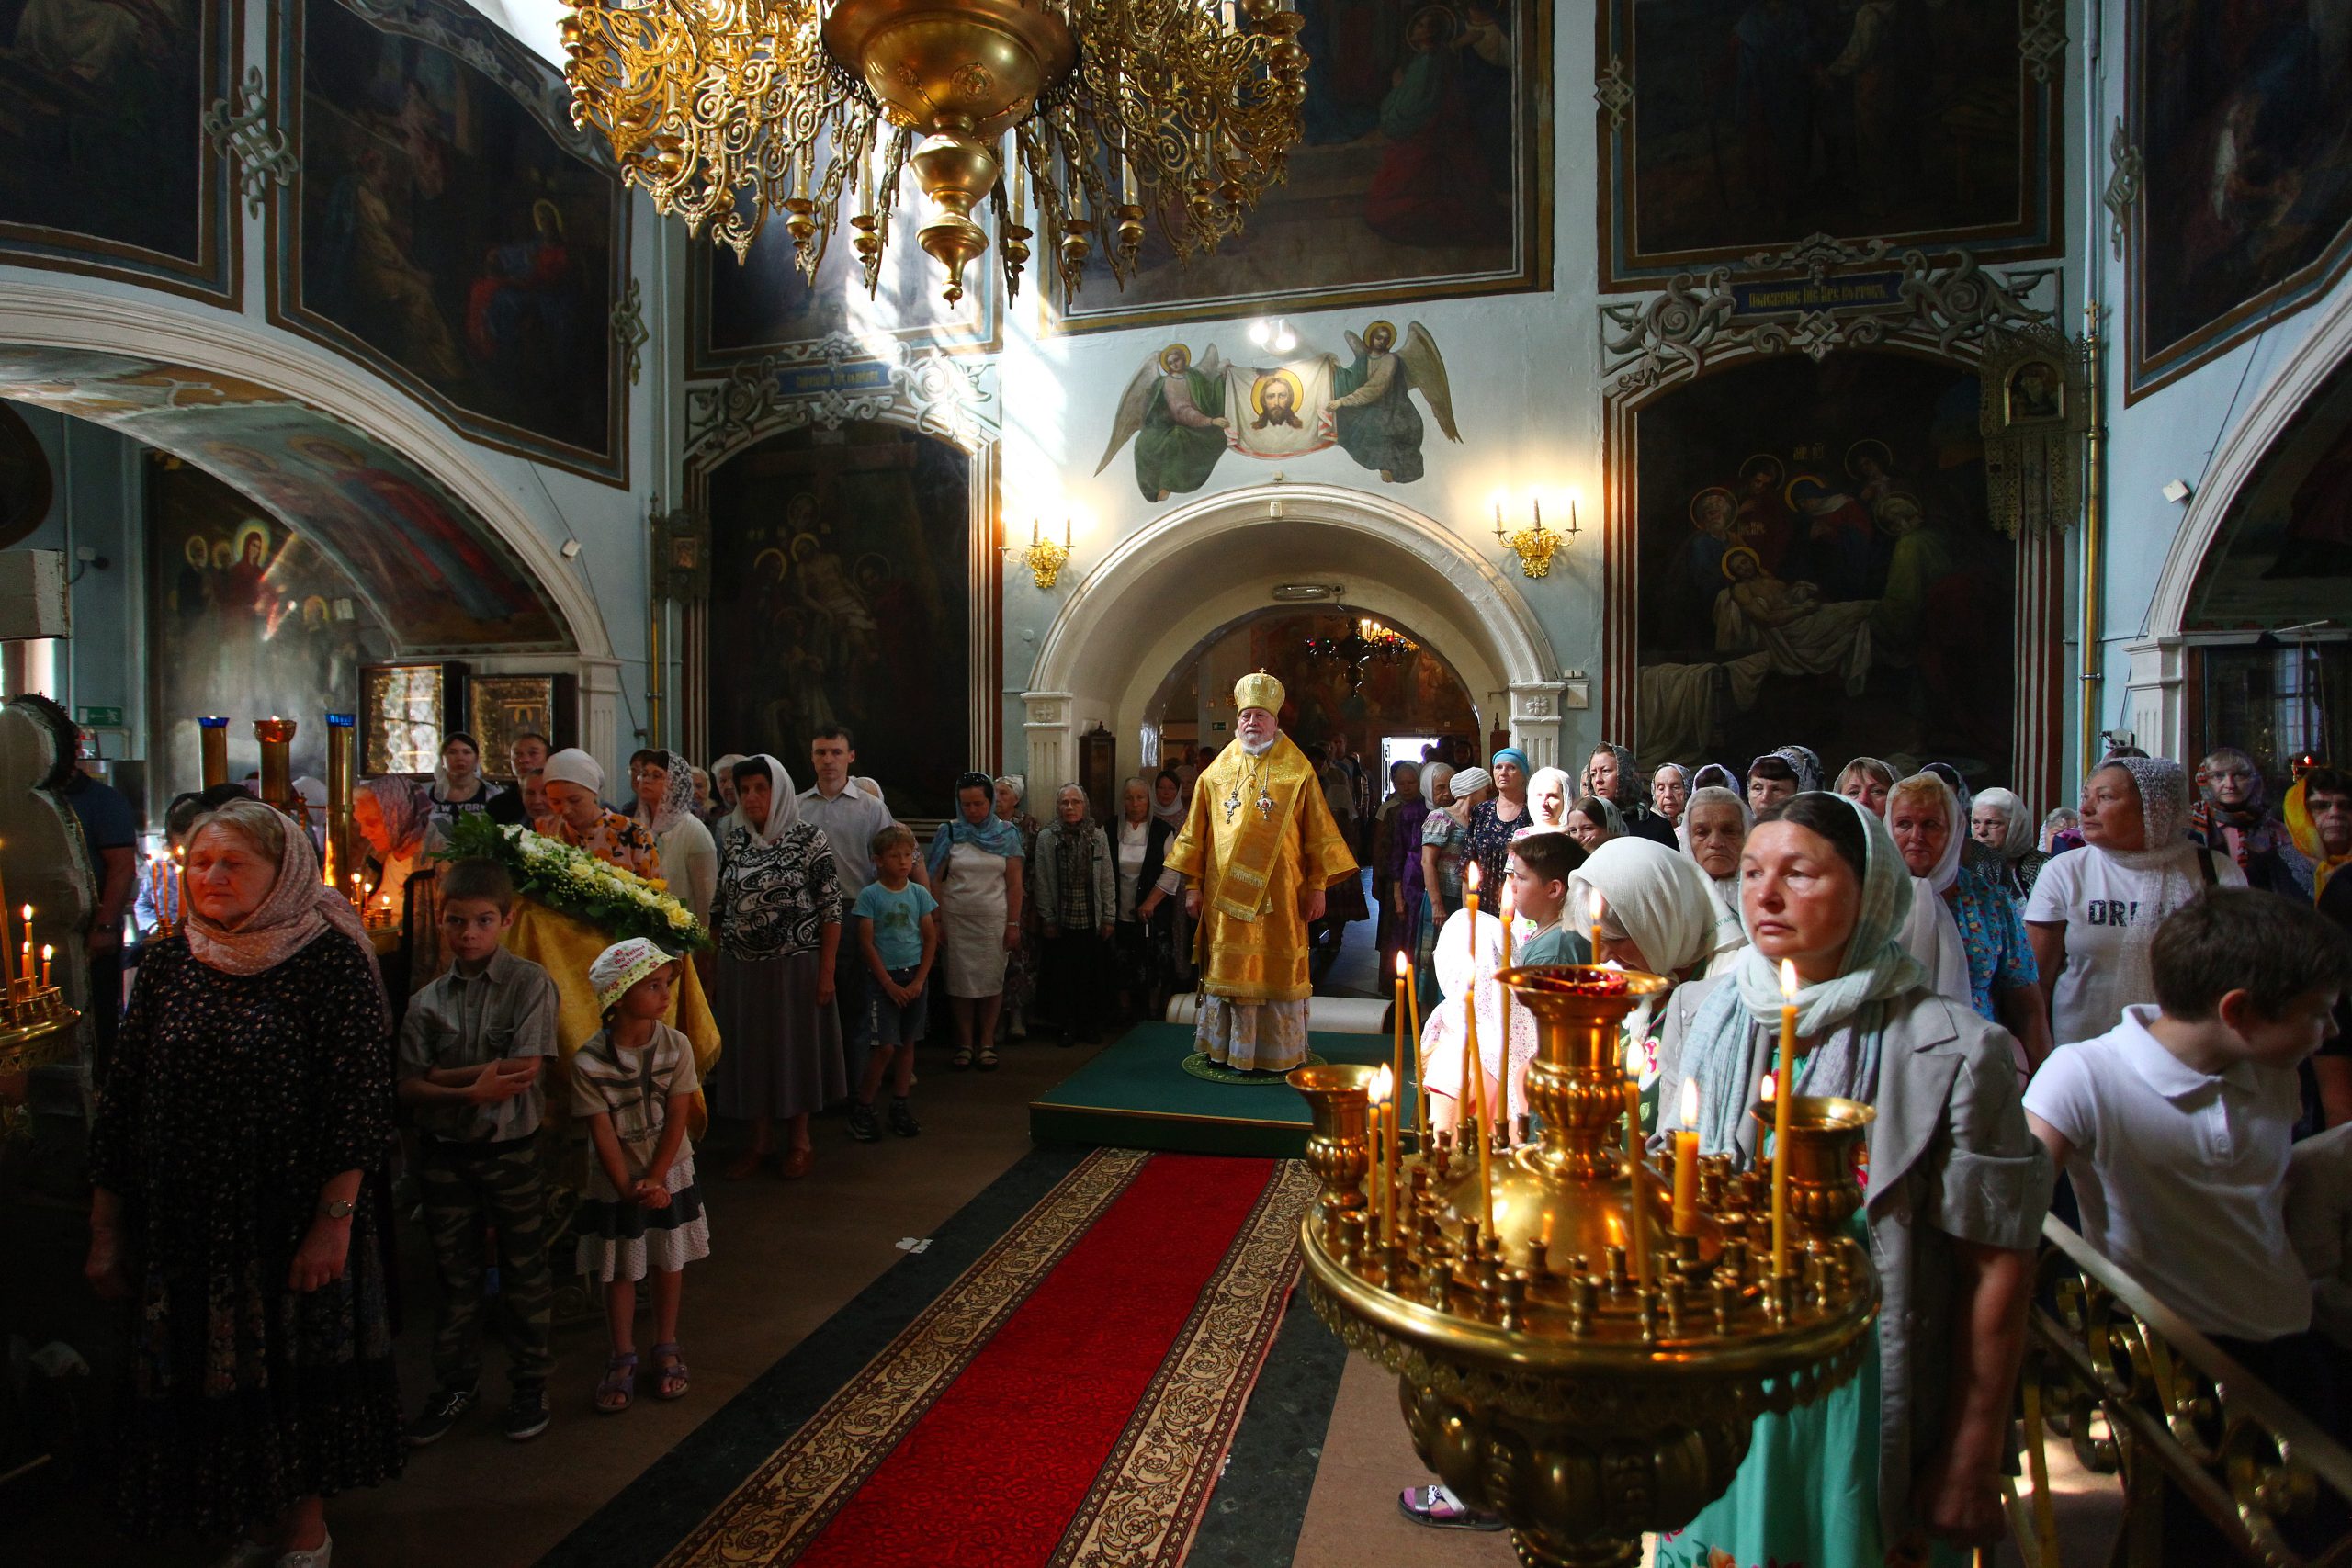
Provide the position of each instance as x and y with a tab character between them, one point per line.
1136	1095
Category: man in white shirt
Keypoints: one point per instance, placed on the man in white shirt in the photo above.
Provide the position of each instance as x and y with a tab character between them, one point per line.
2176	1124
849	817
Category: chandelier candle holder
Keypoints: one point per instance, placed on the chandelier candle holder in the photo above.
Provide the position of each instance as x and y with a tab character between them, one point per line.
1591	1364
727	112
213	739
1536	544
1043	557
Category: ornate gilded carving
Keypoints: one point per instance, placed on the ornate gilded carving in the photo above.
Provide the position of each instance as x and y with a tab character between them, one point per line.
838	379
2125	170
2035	412
630	333
1674	333
2042	37
245	134
1613	91
2173	1408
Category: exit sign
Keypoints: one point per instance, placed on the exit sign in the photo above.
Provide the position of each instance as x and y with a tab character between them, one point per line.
101	718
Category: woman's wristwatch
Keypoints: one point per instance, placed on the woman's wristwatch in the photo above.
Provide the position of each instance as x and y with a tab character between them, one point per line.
336	1209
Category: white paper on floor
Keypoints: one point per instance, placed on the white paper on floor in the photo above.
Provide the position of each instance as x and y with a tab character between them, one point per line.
914	1244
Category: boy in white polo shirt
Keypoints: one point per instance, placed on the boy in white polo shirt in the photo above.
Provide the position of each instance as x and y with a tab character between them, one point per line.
2176	1126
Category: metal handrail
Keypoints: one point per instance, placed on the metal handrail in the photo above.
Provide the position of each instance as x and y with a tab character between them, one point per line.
2178	1409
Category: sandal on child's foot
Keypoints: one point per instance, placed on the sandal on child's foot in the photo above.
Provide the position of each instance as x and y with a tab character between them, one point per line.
670	1372
613	1395
1439	1507
962	1059
988	1060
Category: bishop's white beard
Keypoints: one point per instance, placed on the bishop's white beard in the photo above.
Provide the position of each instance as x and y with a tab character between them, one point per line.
1260	748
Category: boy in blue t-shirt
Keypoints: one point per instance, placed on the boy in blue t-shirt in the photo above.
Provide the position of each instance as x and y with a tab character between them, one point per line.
898	934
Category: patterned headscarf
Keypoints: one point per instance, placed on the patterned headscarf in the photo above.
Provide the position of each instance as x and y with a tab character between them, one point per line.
298	909
2162	785
2261	831
1628	790
1800	762
677	796
1714	775
1612	821
1728	1054
408	810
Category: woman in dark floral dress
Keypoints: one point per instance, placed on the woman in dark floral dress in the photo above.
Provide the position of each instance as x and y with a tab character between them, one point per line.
248	1102
777	919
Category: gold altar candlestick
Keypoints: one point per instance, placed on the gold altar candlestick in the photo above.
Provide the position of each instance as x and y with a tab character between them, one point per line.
1784	1095
277	738
212	739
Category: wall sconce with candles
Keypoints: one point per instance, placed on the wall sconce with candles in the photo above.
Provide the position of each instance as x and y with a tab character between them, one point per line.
1045	559
1536	544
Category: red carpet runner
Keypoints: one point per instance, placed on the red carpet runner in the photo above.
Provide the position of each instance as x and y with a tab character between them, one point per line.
1068	1402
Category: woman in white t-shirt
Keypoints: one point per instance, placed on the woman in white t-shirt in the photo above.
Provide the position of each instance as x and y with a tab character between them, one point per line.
2094	911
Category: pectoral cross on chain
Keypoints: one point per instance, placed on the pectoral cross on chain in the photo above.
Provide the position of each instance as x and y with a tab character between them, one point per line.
1232	802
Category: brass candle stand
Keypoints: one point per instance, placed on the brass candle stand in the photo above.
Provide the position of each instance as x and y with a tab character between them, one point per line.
1544	1373
36	1025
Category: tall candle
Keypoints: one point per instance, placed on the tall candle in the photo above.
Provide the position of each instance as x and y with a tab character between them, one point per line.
1508	901
1383	1166
1785	1093
1397	1005
1421	1063
1685	1162
47	953
1637	1185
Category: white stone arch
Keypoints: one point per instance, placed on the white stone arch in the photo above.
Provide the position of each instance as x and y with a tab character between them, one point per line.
145	325
2157	708
2239	458
1164	587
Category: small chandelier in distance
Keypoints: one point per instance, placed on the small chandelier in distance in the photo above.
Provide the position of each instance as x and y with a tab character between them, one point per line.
724	112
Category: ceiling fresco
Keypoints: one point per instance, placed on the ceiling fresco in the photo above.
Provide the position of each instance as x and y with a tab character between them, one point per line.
437	575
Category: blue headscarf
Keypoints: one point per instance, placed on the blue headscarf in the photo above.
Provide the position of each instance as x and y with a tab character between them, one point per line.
1513	754
996	836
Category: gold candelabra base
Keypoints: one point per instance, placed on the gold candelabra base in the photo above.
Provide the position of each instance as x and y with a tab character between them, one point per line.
1582	1367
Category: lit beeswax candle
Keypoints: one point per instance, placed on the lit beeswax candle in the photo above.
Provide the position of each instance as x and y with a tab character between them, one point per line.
1685	1162
1784	1095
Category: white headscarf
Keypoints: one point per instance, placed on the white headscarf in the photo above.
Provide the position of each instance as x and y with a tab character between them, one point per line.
1932	932
2170	854
573	766
1657	897
1731	930
1537	822
784	806
2017	842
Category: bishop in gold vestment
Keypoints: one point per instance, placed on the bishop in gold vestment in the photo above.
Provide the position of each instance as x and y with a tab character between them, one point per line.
1256	851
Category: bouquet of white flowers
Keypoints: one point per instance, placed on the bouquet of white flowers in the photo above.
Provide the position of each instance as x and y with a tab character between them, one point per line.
616	901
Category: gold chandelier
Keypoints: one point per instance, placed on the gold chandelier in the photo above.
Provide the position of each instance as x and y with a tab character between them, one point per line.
727	111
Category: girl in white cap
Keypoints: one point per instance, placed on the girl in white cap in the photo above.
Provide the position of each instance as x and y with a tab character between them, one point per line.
633	1083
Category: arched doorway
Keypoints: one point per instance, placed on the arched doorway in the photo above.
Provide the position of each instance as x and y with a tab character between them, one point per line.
2249	639
1169	586
1349	696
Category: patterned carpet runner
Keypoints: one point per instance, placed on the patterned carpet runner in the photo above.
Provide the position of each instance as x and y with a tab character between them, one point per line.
1068	1402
